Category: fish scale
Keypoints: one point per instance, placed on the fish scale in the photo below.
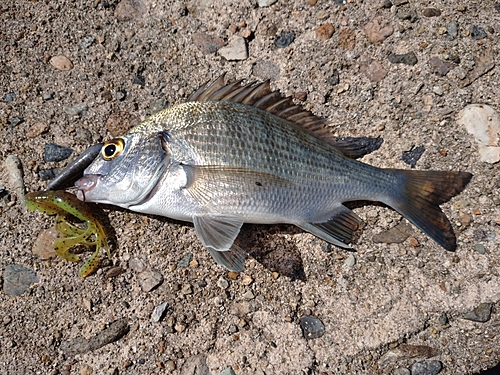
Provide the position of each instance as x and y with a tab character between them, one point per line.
243	154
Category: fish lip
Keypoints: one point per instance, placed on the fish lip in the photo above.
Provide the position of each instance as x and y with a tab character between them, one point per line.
86	184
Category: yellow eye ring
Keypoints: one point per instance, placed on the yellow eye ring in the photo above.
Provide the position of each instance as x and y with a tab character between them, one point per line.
112	149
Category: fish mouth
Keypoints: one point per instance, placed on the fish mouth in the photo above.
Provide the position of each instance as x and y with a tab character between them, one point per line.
86	184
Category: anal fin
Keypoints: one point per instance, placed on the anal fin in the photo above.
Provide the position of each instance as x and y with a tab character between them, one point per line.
338	230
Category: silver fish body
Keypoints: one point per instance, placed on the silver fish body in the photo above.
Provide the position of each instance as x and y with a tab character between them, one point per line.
221	163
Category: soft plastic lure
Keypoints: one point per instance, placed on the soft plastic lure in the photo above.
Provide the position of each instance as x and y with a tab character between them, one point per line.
64	205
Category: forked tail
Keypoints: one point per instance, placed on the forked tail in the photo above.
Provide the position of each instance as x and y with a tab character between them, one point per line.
420	196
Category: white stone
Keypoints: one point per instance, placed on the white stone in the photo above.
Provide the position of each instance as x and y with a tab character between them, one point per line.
235	50
266	3
483	122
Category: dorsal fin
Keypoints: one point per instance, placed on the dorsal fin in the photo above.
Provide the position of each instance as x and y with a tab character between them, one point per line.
260	95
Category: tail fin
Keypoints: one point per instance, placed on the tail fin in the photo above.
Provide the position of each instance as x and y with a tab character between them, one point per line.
420	197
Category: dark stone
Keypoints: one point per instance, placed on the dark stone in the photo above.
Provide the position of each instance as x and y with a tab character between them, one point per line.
411	157
47	174
334	79
426	368
139	80
408	58
15	121
386	4
431	12
497	6
440	67
284	40
9	97
17	279
55	152
121	95
312	328
410	15
477	33
397	234
81	345
481	313
184	262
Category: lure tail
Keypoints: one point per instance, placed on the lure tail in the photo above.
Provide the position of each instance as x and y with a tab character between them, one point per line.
420	196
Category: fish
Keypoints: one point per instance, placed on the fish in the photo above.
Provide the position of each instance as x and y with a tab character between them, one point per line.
235	153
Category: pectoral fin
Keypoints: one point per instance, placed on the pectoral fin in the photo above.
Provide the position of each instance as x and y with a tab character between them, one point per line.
217	231
338	230
232	259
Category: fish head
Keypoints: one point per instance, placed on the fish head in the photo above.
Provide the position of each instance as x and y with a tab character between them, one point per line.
126	171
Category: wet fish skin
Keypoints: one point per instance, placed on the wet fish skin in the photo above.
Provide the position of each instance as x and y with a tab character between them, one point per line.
240	158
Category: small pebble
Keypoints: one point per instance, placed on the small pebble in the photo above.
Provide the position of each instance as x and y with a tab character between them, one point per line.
431	12
149	279
477	33
401	371
158	312
413	156
48	96
139	80
376	32
14	121
481	313
47	174
76	110
407	58
452	30
228	370
86	41
350	261
170	365
427	367
14	170
184	262
312	328
55	152
284	40
249	295
325	31
9	97
222	283
61	63
479	248
266	3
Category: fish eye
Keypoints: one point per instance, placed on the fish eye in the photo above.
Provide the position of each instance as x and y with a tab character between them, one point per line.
112	149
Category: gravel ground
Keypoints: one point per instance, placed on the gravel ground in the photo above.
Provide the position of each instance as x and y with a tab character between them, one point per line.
74	73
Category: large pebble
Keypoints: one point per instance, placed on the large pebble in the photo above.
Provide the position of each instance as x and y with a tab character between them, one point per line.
158	312
312	328
207	44
55	152
61	63
325	31
372	69
235	50
376	32
17	279
266	70
397	234
483	122
440	67
481	313
127	10
426	368
44	244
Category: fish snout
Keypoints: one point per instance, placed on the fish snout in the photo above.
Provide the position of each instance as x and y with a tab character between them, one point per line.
86	184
